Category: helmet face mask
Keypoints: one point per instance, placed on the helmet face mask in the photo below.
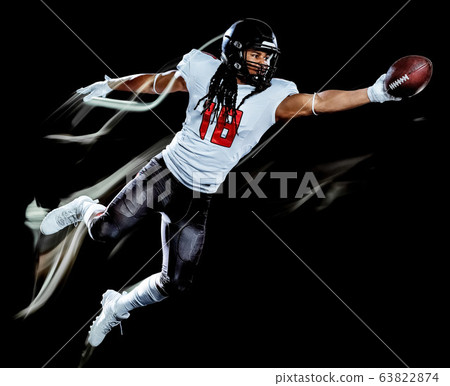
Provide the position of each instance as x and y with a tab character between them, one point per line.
255	35
259	72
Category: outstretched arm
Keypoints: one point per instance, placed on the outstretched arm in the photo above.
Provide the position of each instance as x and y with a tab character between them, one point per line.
331	101
148	83
141	83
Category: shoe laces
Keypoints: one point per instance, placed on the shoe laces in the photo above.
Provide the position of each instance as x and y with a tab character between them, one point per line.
68	217
108	327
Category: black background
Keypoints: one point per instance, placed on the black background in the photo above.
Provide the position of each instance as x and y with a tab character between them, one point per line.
381	249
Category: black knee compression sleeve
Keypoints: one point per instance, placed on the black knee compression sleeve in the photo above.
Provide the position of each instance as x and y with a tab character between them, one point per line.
103	228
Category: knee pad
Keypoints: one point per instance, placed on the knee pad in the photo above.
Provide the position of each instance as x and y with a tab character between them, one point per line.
103	229
189	244
174	287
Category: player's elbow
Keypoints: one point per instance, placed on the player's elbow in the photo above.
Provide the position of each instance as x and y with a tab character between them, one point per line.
294	106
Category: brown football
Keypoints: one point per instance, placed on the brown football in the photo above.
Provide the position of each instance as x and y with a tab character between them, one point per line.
408	76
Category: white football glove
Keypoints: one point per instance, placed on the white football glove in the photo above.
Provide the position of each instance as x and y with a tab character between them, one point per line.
378	93
97	89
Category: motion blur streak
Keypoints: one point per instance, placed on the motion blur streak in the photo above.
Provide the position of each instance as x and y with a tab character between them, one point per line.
54	262
54	265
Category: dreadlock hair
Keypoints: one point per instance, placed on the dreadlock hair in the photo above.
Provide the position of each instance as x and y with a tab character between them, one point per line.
223	87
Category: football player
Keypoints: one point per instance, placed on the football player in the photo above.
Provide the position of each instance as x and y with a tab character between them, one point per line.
233	101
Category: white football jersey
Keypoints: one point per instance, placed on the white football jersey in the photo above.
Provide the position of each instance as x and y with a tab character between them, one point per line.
202	154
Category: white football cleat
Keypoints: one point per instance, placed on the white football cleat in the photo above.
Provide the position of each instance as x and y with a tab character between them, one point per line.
71	213
106	320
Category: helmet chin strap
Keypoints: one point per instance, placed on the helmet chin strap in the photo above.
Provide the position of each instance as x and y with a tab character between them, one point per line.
254	80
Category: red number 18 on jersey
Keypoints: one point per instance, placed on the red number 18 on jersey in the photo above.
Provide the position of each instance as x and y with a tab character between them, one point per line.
226	128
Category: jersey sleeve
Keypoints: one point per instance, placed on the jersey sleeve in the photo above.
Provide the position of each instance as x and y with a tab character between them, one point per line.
281	90
197	68
184	67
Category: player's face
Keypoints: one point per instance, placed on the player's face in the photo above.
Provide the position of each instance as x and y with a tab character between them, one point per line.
257	61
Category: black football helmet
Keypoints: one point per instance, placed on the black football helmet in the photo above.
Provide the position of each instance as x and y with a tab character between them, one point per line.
246	34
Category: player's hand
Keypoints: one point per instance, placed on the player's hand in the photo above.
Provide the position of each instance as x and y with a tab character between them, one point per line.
97	89
378	93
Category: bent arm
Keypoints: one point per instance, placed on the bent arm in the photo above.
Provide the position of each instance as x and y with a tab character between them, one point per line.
149	83
329	101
